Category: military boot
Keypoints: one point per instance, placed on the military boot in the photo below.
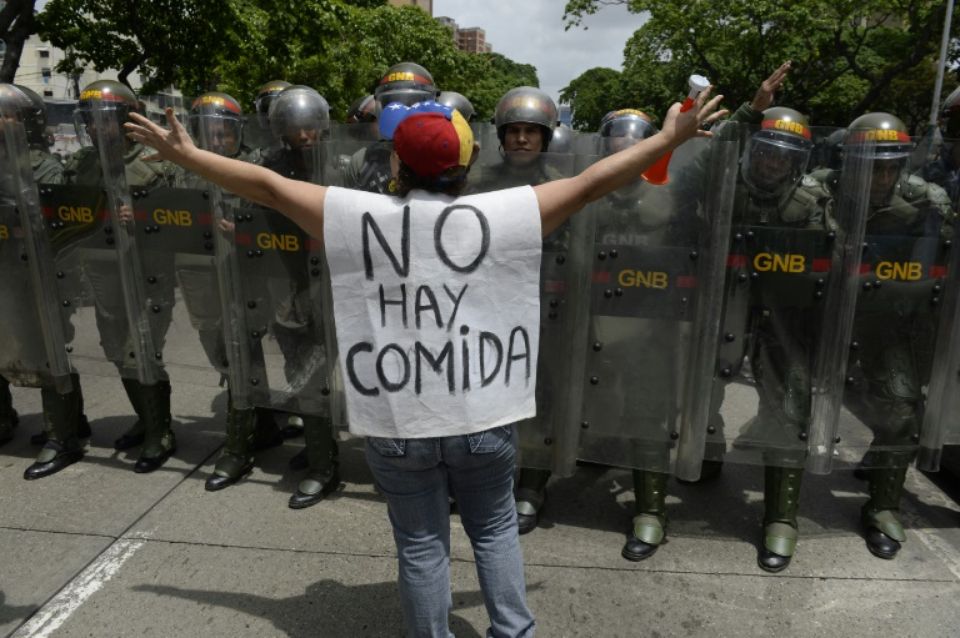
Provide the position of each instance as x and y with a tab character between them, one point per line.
266	434
133	436
83	425
649	525
8	416
236	460
159	442
531	495
63	446
324	476
882	529
781	501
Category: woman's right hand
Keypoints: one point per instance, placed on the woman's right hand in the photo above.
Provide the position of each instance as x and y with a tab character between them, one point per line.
682	125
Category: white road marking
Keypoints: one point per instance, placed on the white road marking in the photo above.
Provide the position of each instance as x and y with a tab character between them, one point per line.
51	616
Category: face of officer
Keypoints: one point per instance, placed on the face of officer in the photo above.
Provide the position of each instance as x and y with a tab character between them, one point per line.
885	174
110	134
522	142
223	138
301	138
771	167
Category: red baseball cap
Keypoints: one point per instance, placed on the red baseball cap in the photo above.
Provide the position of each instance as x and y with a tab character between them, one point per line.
431	143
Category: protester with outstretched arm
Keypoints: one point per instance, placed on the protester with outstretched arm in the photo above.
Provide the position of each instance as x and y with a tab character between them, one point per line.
303	202
455	436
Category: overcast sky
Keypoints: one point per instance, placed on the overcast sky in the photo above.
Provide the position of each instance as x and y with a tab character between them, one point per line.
531	32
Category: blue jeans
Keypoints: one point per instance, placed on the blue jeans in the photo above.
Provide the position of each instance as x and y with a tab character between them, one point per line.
416	476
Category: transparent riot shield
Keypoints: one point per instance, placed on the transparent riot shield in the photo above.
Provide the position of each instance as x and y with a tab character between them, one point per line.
178	236
904	273
651	288
33	349
359	159
941	425
132	321
779	261
282	295
549	440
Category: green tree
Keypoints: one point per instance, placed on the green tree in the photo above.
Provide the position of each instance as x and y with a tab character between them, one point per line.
487	76
339	47
849	56
593	94
153	38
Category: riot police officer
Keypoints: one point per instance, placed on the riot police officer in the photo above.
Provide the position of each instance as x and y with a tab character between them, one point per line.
895	324
776	206
643	401
300	119
60	412
525	118
105	104
944	170
369	168
260	135
216	121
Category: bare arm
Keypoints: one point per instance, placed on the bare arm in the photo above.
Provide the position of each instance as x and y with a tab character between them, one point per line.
300	201
562	198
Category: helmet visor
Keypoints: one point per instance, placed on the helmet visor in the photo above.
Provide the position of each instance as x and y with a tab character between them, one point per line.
407	97
772	164
99	122
216	133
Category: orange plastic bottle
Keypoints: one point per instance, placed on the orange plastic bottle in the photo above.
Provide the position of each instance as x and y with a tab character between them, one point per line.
658	173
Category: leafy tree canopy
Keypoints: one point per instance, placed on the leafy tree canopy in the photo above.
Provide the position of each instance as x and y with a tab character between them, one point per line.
339	47
849	56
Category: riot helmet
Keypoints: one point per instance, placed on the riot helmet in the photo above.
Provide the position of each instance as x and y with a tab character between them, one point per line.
106	101
882	140
950	116
266	94
407	83
831	149
777	155
622	129
300	117
216	122
364	110
561	141
526	105
457	101
23	105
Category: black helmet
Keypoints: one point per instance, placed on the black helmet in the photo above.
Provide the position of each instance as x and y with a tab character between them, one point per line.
103	96
300	116
266	94
407	83
365	109
950	115
830	149
24	105
623	128
216	122
457	101
777	155
526	104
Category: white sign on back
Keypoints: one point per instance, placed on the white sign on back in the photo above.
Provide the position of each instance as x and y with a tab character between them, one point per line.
437	308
